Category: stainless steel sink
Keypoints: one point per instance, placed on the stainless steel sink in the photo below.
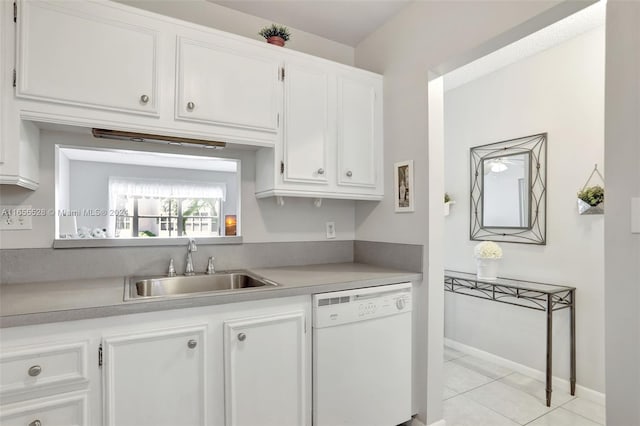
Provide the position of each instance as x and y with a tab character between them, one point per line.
164	287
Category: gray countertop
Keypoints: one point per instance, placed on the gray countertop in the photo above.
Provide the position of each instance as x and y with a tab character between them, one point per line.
43	302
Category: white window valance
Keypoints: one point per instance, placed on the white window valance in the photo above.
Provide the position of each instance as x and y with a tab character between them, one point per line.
158	188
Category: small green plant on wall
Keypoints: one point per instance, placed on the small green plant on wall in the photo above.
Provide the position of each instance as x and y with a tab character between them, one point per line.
592	195
448	201
590	200
275	34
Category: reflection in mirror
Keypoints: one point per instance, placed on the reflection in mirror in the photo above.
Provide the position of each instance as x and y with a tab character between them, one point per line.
122	194
508	190
505	196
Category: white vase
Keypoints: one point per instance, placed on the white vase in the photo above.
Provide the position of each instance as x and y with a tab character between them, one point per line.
487	268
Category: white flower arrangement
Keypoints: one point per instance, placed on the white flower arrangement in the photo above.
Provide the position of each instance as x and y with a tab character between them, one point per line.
487	250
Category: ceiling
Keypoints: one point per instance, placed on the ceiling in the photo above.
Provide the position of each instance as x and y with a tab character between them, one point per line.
587	19
345	21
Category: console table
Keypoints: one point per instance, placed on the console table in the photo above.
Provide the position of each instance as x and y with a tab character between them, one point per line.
532	295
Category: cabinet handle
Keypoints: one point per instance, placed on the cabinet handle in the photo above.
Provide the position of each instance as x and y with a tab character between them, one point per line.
349	173
190	106
35	423
320	171
192	344
35	370
144	99
242	337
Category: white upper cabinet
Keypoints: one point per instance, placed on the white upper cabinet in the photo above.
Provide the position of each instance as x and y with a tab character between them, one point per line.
87	54
156	378
108	65
332	139
227	84
359	130
306	124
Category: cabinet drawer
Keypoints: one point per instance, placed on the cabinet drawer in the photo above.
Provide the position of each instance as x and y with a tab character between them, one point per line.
66	410
42	367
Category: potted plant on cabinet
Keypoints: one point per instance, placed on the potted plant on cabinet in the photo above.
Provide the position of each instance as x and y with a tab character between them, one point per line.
591	200
276	34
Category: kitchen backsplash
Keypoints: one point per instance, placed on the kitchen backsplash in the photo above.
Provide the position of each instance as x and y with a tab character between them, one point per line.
406	257
37	265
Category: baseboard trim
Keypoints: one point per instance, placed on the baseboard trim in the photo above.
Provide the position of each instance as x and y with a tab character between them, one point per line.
559	383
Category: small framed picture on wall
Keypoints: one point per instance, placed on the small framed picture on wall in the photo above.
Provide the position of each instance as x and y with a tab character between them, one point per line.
403	184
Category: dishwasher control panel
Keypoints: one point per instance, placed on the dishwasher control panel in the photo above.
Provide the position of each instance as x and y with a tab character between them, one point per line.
330	309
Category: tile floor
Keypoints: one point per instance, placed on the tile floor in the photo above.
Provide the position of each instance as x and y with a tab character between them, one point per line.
481	393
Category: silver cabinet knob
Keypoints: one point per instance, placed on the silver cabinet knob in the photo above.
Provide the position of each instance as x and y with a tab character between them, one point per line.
320	171
400	304
242	337
192	344
35	370
349	173
190	106
144	99
35	423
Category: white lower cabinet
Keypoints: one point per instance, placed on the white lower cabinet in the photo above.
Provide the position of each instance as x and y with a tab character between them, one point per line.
266	364
155	378
64	410
245	363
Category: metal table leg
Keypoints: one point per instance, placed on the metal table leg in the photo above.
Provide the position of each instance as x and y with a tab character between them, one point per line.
572	309
549	347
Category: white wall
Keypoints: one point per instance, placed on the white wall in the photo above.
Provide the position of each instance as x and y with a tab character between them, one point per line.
419	38
261	220
622	249
559	91
206	13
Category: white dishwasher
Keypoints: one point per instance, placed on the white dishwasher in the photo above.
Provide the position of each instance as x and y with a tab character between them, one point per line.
362	356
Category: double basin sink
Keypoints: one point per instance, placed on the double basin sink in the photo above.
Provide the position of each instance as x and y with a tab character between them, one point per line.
140	288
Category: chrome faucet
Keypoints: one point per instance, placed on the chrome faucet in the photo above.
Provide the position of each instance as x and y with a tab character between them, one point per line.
191	247
172	269
211	269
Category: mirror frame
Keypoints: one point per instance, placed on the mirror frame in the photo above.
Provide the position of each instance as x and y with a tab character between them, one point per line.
536	233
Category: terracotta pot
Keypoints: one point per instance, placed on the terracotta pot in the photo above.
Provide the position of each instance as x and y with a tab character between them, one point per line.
278	41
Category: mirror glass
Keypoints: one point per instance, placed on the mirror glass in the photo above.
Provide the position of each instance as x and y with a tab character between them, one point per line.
508	191
505	195
123	194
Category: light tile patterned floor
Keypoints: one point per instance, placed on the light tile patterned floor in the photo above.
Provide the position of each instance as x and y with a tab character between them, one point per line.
478	393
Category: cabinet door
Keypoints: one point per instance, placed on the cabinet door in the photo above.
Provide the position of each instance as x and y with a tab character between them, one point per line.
156	378
266	371
227	85
359	131
86	54
306	118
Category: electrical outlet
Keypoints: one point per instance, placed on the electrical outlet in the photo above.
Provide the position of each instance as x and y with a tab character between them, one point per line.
13	218
331	230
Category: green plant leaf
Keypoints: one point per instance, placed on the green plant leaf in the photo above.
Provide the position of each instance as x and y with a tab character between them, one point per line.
592	195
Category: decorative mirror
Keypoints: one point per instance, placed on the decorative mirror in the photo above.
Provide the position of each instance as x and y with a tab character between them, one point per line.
508	191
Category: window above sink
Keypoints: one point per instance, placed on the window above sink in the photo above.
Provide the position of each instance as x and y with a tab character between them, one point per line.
114	197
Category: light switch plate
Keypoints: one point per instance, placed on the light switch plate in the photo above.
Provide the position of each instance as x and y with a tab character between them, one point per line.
331	230
635	215
15	218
